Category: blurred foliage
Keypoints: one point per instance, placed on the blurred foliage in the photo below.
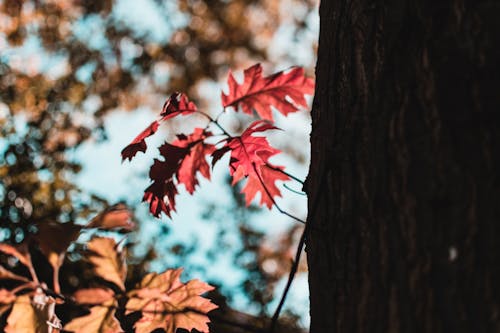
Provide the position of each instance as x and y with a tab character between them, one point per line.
65	64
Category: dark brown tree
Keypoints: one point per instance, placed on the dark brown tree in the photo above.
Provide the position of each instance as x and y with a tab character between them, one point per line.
404	189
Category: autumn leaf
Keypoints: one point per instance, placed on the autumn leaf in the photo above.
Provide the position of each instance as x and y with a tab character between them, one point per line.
101	319
183	160
260	93
115	217
167	303
177	104
26	318
93	296
64	233
108	262
139	143
195	161
161	193
250	159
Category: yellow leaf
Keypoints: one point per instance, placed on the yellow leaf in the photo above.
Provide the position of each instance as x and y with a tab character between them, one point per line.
109	264
101	319
25	318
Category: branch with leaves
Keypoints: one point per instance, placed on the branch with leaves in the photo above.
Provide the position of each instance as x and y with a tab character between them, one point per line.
249	154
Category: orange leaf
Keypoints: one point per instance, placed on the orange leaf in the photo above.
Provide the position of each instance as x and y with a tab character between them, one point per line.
260	93
109	264
26	318
93	295
101	319
167	303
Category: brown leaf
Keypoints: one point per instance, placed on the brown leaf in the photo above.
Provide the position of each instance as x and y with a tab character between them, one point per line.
115	217
167	303
101	319
63	233
25	318
109	264
93	295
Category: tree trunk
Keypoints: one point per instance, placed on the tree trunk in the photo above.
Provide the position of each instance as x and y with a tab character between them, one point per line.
404	192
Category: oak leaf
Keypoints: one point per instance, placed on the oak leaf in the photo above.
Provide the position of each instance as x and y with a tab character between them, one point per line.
167	303
27	318
101	319
109	263
183	160
161	193
177	104
260	93
250	159
195	161
139	143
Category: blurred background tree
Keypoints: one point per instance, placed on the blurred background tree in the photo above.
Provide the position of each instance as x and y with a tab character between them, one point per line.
65	66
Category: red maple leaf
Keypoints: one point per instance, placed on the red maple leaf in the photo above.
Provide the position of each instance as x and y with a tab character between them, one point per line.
184	158
138	144
196	160
260	93
249	158
176	104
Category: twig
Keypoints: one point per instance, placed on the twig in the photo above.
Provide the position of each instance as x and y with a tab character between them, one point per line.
291	276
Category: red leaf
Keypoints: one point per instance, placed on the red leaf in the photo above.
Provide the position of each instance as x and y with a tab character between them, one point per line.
196	160
184	158
176	104
260	93
249	158
163	187
138	144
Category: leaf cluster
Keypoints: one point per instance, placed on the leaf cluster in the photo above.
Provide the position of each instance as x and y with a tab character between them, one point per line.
159	301
186	157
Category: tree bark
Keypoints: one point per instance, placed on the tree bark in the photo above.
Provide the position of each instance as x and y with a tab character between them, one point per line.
403	229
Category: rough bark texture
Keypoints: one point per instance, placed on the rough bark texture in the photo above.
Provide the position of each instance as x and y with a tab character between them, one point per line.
404	188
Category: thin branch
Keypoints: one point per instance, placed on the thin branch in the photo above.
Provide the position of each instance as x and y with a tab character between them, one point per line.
291	276
298	180
292	190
